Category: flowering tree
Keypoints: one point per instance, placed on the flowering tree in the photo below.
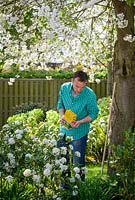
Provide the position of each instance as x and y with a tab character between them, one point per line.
34	32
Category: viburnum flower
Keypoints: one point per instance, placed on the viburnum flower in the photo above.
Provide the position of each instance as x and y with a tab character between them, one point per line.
48	166
18	131
56	151
10	156
6	126
27	172
63	160
77	153
84	170
36	178
45	141
52	143
75	192
72	180
11	141
76	170
78	176
63	150
69	138
63	167
9	178
71	147
18	136
28	155
47	172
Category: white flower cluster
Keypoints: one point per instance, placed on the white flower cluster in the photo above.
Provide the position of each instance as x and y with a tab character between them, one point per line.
47	170
121	22
77	173
68	47
129	38
77	154
9	178
27	173
11	158
36	178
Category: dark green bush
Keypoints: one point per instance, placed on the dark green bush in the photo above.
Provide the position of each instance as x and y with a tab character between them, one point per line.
123	166
37	74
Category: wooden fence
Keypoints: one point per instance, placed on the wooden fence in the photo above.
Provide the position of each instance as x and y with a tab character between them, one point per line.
34	91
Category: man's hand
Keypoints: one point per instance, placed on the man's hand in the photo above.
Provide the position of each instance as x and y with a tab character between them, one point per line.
75	124
62	120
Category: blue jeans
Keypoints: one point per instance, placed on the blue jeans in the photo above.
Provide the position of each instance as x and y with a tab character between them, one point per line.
78	145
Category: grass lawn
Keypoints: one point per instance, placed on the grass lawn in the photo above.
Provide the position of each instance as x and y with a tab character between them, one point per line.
95	169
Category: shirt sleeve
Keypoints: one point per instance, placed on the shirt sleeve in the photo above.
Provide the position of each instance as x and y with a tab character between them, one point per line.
60	104
92	107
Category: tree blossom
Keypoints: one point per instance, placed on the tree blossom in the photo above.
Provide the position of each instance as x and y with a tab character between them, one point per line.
129	38
97	80
121	22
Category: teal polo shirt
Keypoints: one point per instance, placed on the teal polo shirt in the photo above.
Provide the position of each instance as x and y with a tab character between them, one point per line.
82	105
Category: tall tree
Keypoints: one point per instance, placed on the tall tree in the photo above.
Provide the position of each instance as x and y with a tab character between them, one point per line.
123	104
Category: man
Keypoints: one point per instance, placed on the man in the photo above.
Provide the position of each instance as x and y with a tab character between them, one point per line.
81	100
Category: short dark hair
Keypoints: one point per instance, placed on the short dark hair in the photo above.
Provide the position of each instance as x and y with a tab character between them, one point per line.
81	75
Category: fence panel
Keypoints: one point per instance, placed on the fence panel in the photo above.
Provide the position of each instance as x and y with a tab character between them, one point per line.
34	91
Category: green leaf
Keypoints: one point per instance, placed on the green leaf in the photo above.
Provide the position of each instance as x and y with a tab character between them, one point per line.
130	2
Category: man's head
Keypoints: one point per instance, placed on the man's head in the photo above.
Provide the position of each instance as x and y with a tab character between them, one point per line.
79	81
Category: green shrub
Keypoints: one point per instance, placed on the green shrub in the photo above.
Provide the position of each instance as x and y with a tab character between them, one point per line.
98	131
23	108
58	73
31	165
123	165
38	74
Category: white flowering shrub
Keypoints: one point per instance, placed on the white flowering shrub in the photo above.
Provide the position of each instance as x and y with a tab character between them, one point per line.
31	164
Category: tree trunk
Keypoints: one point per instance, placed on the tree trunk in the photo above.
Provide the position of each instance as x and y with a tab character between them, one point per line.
123	104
